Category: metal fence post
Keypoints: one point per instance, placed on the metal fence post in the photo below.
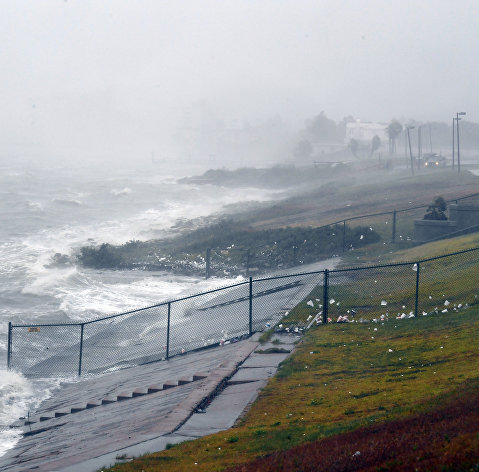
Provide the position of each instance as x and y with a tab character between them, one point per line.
81	350
208	259
9	345
344	235
417	288
168	332
325	295
394	227
250	306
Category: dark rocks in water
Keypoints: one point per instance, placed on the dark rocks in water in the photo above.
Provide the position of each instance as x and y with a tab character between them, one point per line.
60	260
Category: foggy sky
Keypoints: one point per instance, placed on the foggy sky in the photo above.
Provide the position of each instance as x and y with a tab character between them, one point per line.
115	78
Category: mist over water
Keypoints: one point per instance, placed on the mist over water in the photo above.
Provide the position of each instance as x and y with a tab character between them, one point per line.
47	210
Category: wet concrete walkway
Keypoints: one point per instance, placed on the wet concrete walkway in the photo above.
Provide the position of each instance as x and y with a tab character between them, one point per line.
89	424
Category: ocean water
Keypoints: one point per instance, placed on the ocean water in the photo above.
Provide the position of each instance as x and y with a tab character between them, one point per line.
46	210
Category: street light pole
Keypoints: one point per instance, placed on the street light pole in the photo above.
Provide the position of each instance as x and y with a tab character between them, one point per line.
419	145
410	150
453	143
461	113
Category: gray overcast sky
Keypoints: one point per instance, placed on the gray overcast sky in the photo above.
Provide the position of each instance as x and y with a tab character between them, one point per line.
116	76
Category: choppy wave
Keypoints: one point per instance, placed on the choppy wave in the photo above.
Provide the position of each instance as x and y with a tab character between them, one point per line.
65	202
18	397
120	193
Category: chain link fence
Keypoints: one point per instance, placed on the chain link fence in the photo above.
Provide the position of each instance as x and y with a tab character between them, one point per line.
388	226
228	314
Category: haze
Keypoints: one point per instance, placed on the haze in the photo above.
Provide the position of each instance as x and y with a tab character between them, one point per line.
118	80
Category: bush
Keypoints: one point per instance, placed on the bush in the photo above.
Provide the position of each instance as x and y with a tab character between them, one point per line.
437	210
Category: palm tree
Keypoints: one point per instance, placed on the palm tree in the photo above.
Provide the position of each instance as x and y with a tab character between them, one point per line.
394	129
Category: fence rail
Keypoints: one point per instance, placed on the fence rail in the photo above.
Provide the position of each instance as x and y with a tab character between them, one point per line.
227	314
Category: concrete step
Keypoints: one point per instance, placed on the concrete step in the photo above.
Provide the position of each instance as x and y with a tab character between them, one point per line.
124	396
120	397
199	376
155	388
108	400
93	404
185	380
170	384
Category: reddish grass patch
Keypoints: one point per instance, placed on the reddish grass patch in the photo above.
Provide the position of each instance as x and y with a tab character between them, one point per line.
445	439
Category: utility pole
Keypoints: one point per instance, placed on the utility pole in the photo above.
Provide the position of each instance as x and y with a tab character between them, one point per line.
453	143
461	113
410	150
419	145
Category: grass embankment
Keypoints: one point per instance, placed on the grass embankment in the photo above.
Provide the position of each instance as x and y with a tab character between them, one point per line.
401	392
291	231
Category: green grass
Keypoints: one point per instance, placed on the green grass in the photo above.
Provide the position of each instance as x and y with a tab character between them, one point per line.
345	376
339	379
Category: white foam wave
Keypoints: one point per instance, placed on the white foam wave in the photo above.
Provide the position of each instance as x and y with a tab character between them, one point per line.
18	396
122	192
66	202
49	281
35	206
106	293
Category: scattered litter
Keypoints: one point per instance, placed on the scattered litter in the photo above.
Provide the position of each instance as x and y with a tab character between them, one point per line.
384	302
310	303
332	301
446	303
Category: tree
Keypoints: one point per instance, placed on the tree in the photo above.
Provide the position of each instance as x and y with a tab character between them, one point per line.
303	149
437	210
375	144
394	129
353	145
323	129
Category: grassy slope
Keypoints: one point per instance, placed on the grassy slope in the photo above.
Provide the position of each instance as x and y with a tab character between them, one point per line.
346	376
360	192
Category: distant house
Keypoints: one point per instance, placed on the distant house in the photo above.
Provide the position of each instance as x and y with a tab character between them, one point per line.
365	132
